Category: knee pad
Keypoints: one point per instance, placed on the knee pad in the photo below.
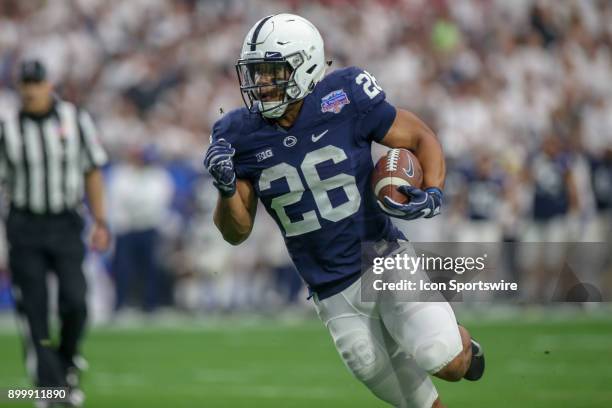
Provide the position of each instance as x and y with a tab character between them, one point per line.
363	357
434	354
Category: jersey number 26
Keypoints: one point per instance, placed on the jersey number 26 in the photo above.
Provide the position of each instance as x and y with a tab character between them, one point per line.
319	188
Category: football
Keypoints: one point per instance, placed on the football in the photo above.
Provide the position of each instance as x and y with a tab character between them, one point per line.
398	167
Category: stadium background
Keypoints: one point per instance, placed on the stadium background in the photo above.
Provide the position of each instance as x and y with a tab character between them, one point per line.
213	325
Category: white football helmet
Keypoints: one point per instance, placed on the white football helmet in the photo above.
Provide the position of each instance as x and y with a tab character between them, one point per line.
282	59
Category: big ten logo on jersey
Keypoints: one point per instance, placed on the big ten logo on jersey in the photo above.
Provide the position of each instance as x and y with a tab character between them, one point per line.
263	155
370	86
307	220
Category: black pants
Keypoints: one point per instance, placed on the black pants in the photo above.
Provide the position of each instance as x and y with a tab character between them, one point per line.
39	244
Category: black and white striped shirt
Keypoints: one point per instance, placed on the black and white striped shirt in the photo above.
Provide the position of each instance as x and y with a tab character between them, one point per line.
43	159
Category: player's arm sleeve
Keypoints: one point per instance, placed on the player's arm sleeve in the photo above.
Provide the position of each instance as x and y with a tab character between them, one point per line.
93	154
375	114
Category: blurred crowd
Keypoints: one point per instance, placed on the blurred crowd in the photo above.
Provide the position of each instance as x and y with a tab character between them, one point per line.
519	92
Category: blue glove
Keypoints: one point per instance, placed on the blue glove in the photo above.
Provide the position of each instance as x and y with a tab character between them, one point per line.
218	161
422	203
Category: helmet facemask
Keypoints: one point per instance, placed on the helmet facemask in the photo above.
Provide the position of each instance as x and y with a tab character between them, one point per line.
268	85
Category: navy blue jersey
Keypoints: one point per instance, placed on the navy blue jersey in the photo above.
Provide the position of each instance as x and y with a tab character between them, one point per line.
602	183
551	198
484	194
314	179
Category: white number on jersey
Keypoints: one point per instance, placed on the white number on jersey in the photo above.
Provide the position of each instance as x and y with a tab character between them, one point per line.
318	187
370	86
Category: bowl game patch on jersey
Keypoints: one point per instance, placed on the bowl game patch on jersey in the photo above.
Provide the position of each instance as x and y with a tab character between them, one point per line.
334	101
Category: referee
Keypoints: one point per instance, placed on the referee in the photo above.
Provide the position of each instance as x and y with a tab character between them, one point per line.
50	156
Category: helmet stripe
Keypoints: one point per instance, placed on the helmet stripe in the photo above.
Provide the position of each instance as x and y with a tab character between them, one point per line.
257	30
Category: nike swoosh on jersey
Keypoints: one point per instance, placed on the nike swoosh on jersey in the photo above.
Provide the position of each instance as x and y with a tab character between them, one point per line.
320	135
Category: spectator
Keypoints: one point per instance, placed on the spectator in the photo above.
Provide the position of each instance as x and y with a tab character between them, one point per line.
140	194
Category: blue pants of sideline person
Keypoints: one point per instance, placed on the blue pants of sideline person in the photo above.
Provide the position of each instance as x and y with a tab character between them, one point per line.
135	268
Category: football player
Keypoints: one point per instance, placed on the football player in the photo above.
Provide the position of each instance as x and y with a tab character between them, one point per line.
302	146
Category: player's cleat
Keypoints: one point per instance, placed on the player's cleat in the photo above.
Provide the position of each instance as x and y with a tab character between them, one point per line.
76	398
477	365
74	370
72	377
80	362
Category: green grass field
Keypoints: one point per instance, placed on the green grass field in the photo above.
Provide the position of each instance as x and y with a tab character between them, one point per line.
242	363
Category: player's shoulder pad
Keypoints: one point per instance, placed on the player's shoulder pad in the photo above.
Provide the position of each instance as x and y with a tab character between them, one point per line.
234	125
363	90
